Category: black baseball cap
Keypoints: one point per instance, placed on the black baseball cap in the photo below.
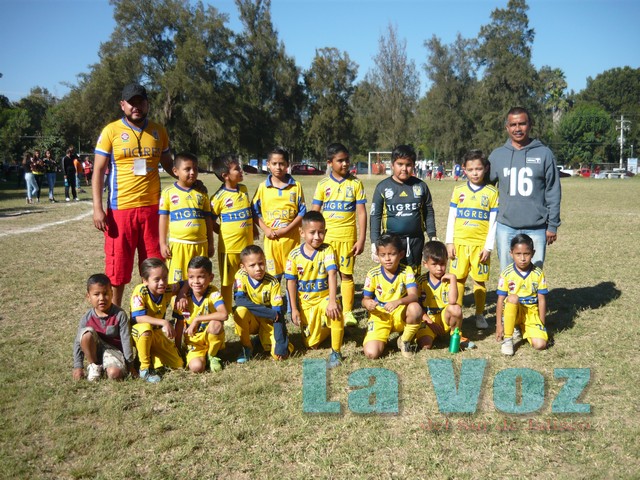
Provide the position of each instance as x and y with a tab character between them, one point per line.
133	90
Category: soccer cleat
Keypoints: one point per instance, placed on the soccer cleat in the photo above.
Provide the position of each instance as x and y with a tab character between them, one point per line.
507	346
481	322
150	376
335	359
517	336
405	348
245	355
350	320
215	363
94	372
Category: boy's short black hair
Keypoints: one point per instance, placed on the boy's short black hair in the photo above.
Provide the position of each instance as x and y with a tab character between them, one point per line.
436	251
222	164
201	262
333	149
149	264
98	279
313	216
522	238
250	250
279	151
403	151
390	239
475	154
182	156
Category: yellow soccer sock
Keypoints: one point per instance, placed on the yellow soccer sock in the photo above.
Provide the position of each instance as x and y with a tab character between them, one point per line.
216	343
227	296
460	293
480	297
242	326
143	344
410	330
337	334
509	318
348	290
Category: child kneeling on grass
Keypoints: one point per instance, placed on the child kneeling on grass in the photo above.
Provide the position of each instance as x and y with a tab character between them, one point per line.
204	318
259	307
103	336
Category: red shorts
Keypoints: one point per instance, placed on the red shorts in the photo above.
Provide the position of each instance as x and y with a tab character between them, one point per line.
128	230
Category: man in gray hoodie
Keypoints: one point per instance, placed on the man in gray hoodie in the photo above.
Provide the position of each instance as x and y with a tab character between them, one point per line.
529	187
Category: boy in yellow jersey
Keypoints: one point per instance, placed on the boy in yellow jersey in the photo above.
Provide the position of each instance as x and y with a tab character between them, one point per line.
231	206
186	224
522	300
279	207
312	283
152	333
259	307
342	200
471	231
390	295
204	318
438	297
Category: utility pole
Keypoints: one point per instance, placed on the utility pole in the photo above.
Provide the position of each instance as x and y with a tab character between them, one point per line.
624	125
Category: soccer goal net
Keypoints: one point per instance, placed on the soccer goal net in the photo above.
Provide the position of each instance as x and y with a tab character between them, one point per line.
379	162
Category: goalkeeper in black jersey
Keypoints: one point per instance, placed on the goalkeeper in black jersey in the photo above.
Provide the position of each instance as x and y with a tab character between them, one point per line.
402	205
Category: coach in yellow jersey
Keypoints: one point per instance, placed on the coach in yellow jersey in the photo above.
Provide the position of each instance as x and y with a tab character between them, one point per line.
132	147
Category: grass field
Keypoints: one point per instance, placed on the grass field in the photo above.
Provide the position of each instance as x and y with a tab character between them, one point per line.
248	421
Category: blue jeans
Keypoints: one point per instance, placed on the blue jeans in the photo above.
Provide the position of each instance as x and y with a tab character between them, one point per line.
504	234
32	186
51	180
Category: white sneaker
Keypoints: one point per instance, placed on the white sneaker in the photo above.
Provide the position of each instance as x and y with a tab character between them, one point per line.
517	336
481	322
507	346
94	372
67	199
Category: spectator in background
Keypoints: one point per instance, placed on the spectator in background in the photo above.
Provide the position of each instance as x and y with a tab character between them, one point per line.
87	167
29	180
50	168
77	163
38	170
69	172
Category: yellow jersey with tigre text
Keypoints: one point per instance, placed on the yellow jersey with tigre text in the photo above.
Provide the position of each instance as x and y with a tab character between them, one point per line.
187	211
134	154
473	206
233	209
311	273
278	207
143	302
261	292
338	199
208	304
383	288
525	285
434	297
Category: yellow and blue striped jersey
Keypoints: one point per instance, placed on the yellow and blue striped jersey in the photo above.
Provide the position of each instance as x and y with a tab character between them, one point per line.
261	292
278	207
434	297
187	211
208	304
526	285
143	302
311	273
338	199
473	207
233	209
384	289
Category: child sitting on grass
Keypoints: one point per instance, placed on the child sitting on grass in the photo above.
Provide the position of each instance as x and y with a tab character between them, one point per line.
103	336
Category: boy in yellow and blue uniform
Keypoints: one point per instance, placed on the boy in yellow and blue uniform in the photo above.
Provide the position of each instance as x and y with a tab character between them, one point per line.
522	290
204	318
342	199
259	307
390	295
186	224
311	275
231	206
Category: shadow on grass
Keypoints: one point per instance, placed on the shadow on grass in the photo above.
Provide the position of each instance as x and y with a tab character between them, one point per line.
19	211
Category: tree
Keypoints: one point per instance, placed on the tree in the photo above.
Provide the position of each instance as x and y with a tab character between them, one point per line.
329	87
586	132
553	86
396	85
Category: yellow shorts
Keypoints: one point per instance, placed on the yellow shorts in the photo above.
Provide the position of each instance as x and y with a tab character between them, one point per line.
181	255
346	262
315	325
257	325
382	323
228	264
530	324
467	262
162	348
202	344
276	253
425	330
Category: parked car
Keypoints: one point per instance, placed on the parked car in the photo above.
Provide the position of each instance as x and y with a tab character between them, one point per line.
304	169
562	173
359	168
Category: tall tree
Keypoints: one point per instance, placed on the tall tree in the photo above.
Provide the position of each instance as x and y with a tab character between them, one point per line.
396	88
329	87
553	86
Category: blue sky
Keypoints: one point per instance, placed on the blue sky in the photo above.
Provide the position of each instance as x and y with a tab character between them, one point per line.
49	42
